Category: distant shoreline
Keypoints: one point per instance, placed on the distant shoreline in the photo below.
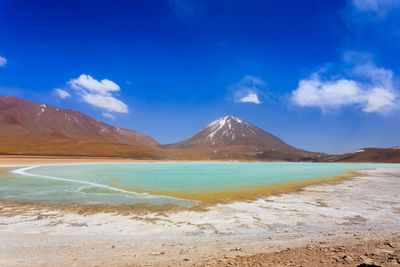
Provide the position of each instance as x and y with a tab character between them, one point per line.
17	161
27	160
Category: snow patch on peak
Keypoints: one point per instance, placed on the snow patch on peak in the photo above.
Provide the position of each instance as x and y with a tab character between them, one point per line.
226	119
358	151
218	122
43	109
232	118
216	126
223	123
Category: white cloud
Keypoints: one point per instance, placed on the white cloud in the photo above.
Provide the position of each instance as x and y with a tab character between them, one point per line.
86	82
373	90
379	7
98	93
250	98
325	94
3	61
380	100
249	89
62	93
375	75
109	103
108	115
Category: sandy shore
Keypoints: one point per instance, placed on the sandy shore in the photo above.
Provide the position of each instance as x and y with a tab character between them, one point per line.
7	160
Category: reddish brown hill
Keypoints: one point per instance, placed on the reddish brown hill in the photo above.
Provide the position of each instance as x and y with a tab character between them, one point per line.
231	137
382	155
31	128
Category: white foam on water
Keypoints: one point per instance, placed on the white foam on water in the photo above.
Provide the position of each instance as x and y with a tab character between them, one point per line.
22	171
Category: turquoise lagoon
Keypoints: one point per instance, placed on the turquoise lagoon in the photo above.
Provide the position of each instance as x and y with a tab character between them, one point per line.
116	183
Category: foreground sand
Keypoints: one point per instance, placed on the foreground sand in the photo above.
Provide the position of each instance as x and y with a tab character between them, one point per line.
347	252
353	222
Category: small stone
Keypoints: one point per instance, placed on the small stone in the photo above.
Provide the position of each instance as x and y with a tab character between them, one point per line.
388	244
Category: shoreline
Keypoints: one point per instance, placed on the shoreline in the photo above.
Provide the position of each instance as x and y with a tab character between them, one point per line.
26	160
360	209
204	199
202	205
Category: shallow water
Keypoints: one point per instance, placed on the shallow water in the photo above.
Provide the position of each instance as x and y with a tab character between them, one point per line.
114	183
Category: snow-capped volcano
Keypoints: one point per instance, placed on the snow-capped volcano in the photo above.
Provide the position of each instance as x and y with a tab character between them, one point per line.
232	138
232	131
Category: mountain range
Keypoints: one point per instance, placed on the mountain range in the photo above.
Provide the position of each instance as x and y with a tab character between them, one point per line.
28	128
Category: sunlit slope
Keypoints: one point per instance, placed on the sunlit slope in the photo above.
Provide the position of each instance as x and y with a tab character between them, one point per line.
387	155
79	146
39	129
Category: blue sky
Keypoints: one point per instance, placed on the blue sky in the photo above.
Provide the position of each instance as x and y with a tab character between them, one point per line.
321	75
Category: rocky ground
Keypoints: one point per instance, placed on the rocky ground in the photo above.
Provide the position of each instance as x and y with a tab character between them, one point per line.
356	253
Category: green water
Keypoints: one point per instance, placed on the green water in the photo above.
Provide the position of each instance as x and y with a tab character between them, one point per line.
102	183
